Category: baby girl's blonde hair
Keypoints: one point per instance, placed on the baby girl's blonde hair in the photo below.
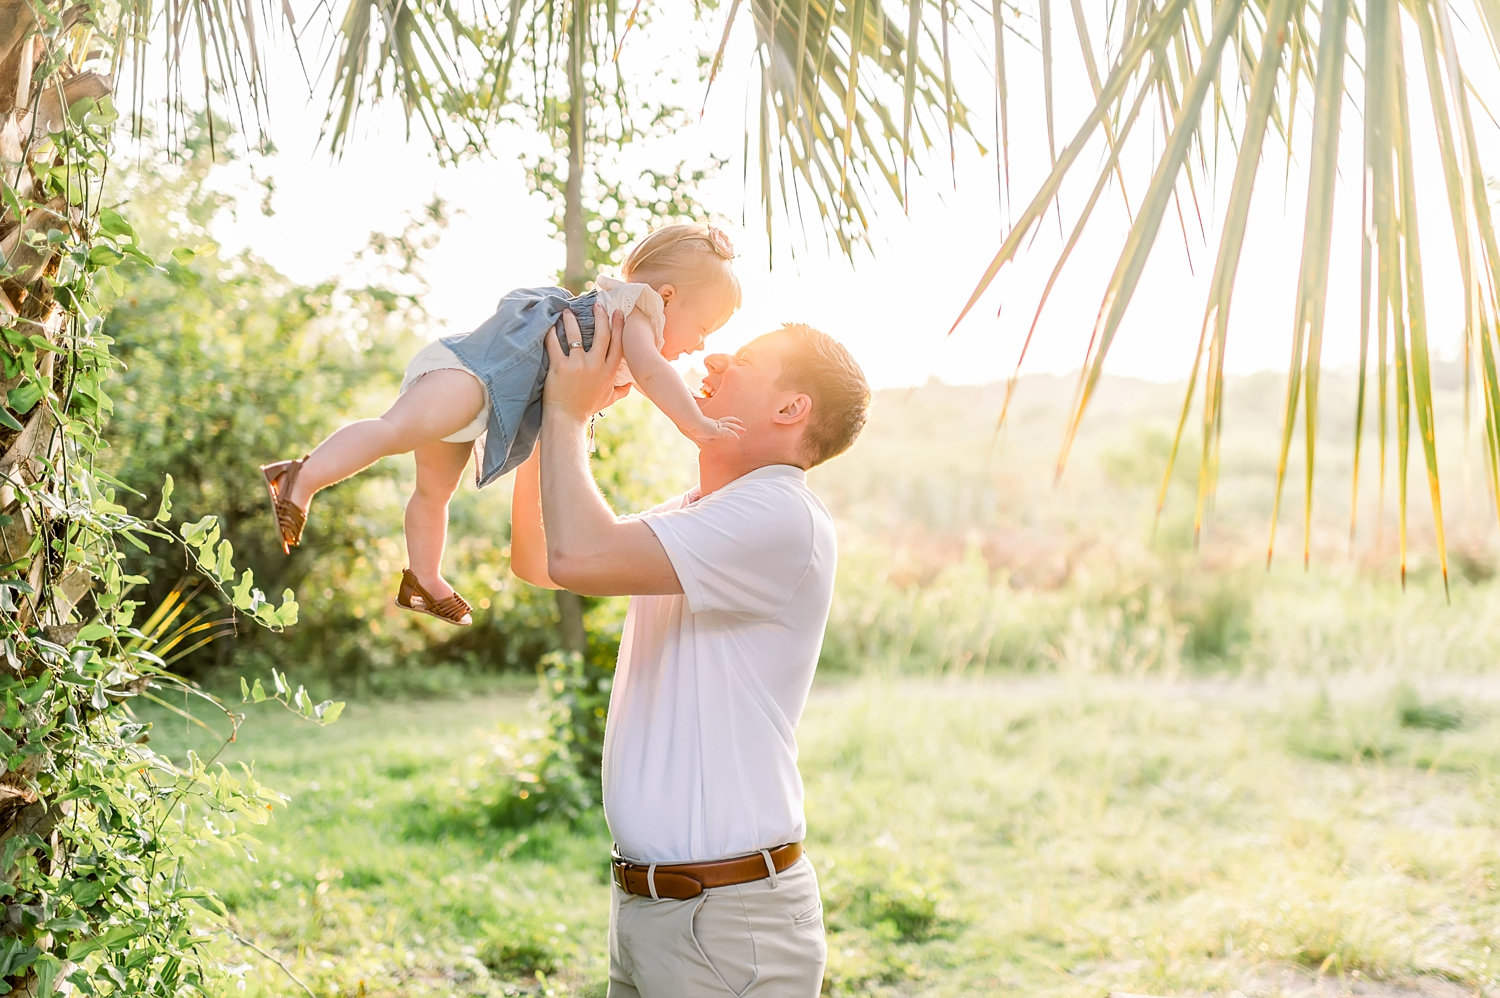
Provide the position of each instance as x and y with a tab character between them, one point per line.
689	255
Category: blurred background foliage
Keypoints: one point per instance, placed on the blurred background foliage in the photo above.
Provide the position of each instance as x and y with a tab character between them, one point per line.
229	364
958	553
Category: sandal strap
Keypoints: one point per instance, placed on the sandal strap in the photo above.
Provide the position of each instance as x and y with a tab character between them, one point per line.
455	607
290	520
452	608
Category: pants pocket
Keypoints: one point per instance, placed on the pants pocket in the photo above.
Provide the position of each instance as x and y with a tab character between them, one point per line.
811	916
722	934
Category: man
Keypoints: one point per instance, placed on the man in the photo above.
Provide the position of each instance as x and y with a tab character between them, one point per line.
730	587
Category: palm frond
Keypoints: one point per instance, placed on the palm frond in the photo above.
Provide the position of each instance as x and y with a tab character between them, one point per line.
413	51
221	39
1215	328
1282	50
831	73
1317	236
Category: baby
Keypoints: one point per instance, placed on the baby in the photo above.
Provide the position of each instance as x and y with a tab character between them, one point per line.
484	388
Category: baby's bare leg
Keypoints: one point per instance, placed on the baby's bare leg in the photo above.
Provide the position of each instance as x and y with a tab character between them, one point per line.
440	466
439	404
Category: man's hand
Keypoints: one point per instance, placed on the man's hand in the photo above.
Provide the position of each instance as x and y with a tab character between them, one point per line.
581	382
588	549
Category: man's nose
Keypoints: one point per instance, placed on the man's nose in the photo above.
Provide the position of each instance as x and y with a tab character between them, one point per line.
716	362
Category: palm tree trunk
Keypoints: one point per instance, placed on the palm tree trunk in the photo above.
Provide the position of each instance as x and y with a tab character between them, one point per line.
571	631
31	458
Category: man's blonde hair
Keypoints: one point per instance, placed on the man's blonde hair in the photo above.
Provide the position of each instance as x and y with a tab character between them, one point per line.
689	255
823	368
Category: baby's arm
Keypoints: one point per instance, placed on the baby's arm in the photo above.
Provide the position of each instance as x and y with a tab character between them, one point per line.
665	387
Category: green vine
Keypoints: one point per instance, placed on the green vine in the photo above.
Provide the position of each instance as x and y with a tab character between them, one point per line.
102	839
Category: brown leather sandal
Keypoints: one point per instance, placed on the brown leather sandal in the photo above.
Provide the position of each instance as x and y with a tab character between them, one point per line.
280	476
411	596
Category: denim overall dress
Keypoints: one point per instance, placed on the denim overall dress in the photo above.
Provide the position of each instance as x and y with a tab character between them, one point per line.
508	354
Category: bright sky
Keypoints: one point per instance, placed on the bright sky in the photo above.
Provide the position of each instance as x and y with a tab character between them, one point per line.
894	304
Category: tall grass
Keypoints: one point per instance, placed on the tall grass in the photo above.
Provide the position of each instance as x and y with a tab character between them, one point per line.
959	554
1162	617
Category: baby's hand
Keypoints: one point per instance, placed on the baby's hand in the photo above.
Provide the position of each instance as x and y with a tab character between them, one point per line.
714	429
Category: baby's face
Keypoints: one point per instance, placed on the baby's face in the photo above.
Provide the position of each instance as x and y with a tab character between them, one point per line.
690	318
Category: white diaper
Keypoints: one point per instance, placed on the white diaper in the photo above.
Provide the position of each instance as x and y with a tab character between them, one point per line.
436	356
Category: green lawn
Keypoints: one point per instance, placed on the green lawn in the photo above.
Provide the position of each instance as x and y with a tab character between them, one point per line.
1001	836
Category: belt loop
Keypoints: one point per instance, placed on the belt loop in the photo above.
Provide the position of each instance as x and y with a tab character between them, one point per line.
651	882
770	867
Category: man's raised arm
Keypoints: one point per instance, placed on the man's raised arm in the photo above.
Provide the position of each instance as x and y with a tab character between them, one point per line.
589	549
528	540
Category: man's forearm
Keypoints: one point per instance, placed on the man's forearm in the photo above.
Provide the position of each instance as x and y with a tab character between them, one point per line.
590	550
576	515
528	538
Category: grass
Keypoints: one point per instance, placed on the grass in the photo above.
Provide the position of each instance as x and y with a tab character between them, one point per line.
1043	835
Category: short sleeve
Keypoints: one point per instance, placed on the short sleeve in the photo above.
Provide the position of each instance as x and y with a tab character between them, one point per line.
744	551
618	296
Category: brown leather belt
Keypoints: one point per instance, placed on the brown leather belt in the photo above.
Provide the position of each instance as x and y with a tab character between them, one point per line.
681	881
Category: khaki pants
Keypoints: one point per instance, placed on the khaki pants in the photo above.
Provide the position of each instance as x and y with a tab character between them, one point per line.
763	939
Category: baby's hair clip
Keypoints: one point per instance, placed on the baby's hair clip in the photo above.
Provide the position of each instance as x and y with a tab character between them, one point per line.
720	242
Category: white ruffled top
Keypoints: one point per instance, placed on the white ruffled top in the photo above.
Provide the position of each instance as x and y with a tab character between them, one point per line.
619	296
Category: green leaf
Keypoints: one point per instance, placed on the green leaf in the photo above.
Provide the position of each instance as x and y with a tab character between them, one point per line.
244	595
114	224
117	937
208	902
286	615
16	845
105	256
198	532
223	567
24	396
46	968
80	948
103	113
93	632
164	511
8	421
86	892
15	956
70	922
182	254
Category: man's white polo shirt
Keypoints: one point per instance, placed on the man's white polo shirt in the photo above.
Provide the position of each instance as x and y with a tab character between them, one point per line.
700	751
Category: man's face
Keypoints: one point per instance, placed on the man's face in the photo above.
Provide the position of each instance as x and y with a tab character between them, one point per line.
745	384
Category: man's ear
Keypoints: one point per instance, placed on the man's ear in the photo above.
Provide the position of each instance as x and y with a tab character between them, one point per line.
795	409
667	292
